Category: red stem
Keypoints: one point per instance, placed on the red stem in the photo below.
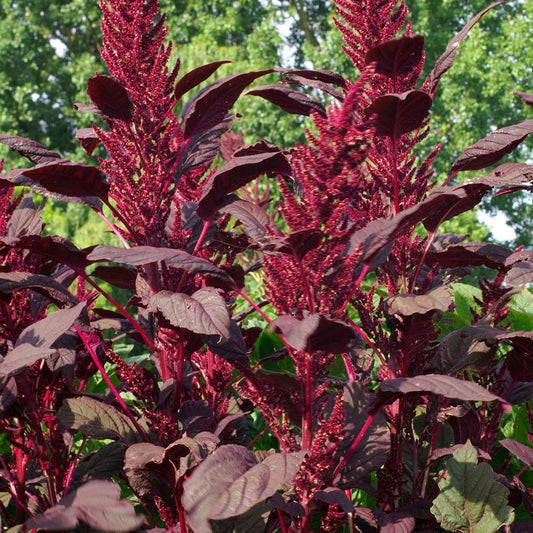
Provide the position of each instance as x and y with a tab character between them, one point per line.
121	402
353	447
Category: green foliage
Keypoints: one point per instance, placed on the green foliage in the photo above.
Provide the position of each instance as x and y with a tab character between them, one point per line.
470	499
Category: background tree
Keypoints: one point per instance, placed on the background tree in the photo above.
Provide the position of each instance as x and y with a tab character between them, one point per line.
475	96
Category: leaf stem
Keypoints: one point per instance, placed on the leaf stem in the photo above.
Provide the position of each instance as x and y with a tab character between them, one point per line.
116	394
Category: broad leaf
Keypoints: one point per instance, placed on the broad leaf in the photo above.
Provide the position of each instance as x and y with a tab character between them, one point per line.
46	331
491	149
238	172
108	95
51	247
26	220
373	448
525	97
289	100
20	358
397	57
253	217
153	471
375	240
202	148
435	301
97	503
45	285
230	482
144	255
468	348
470	499
31	150
322	80
121	277
519	360
523	452
446	60
395	522
520	266
397	114
446	386
314	332
196	76
469	254
210	105
63	177
334	495
88	140
97	420
105	463
204	312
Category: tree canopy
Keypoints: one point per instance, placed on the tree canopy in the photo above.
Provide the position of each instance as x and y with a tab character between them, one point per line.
49	50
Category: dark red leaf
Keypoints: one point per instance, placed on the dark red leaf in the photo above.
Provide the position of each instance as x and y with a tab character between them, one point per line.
447	386
324	76
31	150
298	243
525	97
523	452
446	60
196	76
468	348
322	80
375	239
210	105
45	285
86	108
520	359
238	172
121	277
395	522
51	247
36	340
232	348
490	150
97	503
397	114
397	57
63	177
108	95
26	220
204	312
230	482
334	495
469	254
289	100
373	448
202	148
253	217
144	255
88	140
435	301
314	332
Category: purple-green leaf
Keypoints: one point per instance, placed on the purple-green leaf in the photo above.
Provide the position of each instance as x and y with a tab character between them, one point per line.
523	452
435	301
97	503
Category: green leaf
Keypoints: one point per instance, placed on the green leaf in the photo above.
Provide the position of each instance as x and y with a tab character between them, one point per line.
470	499
96	420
